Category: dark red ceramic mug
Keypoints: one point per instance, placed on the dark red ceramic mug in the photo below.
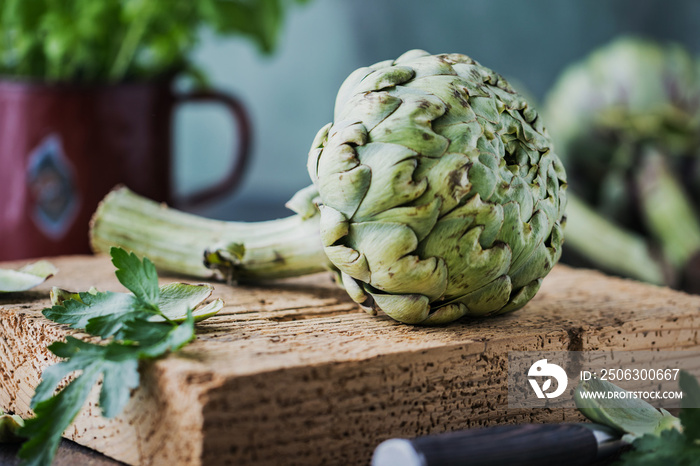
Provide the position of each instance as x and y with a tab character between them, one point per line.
63	147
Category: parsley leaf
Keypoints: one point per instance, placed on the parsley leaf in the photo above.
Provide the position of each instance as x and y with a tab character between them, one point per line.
157	338
103	314
138	277
690	406
55	413
138	326
100	314
669	448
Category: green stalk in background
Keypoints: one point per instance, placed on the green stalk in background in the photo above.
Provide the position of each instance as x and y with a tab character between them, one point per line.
610	246
667	209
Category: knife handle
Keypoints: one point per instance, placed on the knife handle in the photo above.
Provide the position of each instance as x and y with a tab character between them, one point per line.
511	445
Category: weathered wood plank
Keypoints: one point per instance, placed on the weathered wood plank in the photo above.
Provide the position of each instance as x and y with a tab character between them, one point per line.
293	372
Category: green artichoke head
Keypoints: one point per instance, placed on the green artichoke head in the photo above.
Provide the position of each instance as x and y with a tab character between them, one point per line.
440	193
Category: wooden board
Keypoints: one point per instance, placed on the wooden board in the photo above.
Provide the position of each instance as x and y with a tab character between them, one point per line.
294	373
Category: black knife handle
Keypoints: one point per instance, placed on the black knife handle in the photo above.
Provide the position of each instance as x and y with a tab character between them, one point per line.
511	445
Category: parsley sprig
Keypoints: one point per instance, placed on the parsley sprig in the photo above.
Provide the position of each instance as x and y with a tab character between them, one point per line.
147	323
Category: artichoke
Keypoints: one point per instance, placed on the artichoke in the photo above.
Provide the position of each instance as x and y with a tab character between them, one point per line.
626	120
436	194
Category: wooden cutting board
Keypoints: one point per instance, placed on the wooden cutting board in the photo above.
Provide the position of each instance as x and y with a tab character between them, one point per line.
294	373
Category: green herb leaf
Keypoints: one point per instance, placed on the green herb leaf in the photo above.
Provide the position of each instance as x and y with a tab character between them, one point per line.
138	329
104	313
54	413
668	448
138	277
158	339
92	359
26	277
100	314
690	406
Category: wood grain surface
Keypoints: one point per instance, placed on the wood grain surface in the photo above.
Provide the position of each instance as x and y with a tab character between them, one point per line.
293	372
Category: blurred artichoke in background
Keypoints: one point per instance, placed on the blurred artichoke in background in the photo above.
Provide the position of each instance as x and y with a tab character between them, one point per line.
439	197
626	121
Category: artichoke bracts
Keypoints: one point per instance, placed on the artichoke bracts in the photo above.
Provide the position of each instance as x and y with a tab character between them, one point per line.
436	194
626	121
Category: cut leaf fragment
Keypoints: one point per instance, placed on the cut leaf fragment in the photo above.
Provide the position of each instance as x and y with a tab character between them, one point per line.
9	426
26	277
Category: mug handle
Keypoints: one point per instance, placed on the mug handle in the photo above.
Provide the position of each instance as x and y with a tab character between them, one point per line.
240	154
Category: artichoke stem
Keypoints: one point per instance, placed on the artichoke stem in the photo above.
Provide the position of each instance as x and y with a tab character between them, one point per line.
667	209
179	242
608	245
